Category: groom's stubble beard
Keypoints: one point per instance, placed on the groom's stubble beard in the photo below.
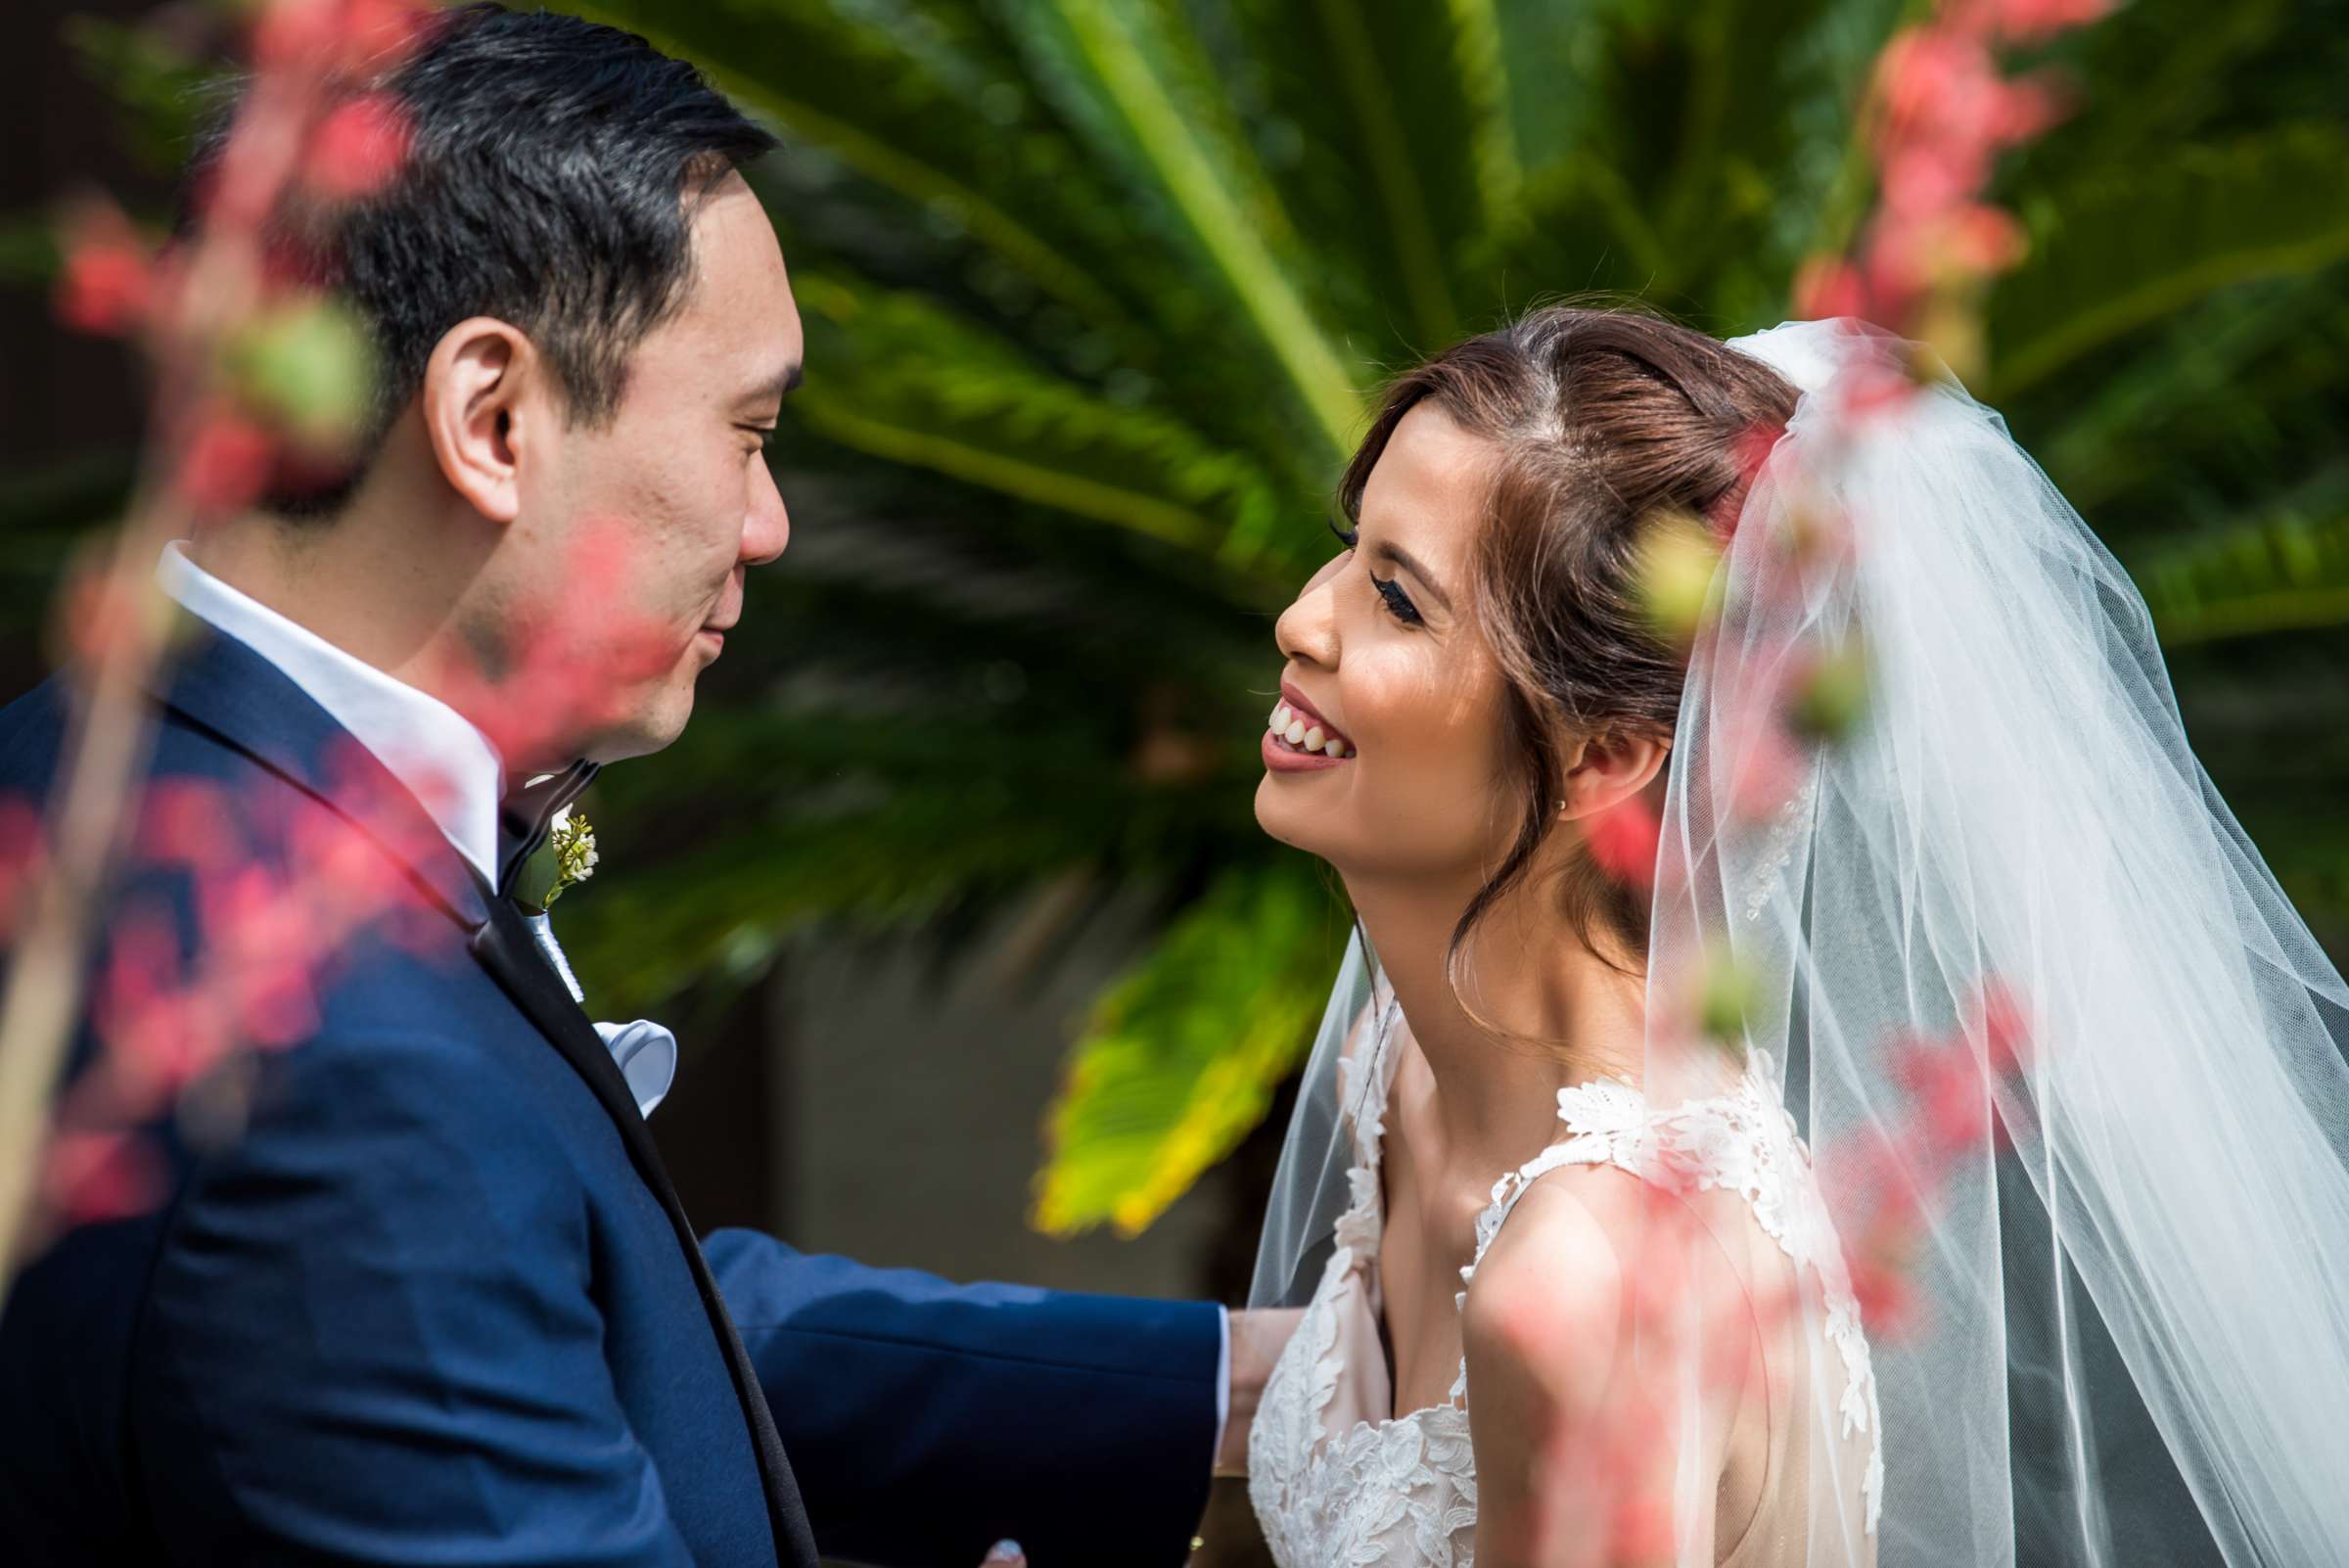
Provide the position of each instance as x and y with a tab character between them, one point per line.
485	642
584	678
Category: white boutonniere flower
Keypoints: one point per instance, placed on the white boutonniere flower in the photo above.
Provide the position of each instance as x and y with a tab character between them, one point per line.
573	837
567	858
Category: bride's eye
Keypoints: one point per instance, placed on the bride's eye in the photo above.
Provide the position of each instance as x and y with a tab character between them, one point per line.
1398	603
1346	536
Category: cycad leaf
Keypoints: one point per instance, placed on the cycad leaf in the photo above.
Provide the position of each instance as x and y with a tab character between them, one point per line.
2123	249
1692	154
2286	574
1389	130
1132	76
892	841
900	378
2227	403
1182	1054
907	117
1753	70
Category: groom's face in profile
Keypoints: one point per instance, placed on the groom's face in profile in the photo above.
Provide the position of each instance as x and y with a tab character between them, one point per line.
651	519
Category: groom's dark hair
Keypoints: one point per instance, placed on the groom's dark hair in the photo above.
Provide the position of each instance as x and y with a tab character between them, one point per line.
551	177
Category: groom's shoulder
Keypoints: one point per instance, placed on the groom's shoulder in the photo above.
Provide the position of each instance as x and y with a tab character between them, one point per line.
34	729
239	887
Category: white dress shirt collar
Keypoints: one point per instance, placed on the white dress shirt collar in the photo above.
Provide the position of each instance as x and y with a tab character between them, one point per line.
446	762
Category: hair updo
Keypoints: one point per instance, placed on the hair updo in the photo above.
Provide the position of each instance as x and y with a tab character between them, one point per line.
1602	420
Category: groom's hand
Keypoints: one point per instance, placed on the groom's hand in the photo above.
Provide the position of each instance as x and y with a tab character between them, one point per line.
1256	1338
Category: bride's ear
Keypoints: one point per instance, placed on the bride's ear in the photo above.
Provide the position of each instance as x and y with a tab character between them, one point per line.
1604	771
482	403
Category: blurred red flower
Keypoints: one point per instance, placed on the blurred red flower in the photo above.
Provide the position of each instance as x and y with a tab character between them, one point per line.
357	148
105	284
94	1177
1623	842
226	463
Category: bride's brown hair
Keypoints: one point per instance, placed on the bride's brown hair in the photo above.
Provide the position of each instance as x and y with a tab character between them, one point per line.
1603	419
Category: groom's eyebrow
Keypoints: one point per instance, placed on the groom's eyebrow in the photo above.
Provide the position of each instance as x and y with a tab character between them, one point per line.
778	385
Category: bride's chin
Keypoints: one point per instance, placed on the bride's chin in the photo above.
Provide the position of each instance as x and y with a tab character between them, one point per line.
1284	823
1277	817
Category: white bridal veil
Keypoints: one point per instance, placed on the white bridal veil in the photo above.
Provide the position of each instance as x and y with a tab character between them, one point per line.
2128	1340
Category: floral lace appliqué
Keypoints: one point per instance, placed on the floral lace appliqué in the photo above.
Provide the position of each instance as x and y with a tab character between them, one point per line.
1401	1493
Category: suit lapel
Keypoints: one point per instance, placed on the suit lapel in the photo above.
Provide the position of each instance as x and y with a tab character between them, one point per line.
221	685
504	948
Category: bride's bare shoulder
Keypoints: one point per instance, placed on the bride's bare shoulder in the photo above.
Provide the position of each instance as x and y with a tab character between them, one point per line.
1551	1286
1545	1330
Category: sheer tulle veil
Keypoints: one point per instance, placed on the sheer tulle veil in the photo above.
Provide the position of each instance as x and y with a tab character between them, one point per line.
2120	1332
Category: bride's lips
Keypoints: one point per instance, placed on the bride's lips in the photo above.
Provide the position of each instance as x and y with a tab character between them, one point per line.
1319	744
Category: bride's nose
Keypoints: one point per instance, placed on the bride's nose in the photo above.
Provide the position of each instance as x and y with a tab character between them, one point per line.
1308	630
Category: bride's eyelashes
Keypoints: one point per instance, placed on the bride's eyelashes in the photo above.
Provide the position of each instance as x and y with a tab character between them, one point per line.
1398	603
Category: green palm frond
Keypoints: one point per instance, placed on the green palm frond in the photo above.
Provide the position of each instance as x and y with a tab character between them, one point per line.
1132	76
2289	573
1182	1054
902	380
1693	157
1093	289
907	117
2238	387
2123	249
1396	148
873	823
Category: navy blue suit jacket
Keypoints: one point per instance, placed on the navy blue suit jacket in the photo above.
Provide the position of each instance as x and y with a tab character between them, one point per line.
436	1302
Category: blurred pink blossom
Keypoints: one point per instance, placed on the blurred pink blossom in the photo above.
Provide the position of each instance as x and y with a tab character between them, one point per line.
108	280
358	146
226	462
96	1177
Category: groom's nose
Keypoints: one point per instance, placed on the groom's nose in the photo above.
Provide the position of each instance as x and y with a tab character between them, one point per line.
767	529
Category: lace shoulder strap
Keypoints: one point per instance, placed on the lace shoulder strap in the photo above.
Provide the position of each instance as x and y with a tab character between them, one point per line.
1604	1118
1367	1072
1743	1141
1606	1121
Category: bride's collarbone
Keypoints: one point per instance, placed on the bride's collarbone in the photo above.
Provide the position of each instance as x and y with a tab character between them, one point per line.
1428	1238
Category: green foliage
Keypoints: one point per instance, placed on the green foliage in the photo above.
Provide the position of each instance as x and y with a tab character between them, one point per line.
905	381
1097	290
2289	570
1182	1053
162	91
2123	249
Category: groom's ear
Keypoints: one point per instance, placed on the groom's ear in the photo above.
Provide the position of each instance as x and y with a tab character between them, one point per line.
481	408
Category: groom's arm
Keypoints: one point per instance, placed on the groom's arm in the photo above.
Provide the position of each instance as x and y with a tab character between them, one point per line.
926	1420
369	1341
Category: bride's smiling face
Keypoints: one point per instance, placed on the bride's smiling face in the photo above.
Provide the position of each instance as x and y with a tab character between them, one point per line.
1385	657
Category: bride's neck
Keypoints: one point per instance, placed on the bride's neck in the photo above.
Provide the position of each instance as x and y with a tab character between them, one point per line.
1527	975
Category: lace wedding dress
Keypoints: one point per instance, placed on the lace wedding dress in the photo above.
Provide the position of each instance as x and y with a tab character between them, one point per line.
2129	1336
1340	1482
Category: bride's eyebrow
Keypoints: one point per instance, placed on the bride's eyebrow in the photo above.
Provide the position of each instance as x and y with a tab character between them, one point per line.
1388	550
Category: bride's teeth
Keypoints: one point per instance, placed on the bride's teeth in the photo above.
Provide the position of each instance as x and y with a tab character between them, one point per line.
1336	748
1313	739
1281	717
1295	733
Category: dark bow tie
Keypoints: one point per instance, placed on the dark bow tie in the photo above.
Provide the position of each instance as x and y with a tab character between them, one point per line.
527	814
